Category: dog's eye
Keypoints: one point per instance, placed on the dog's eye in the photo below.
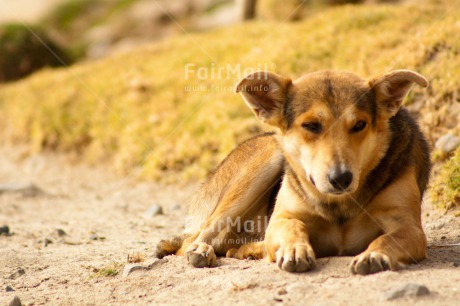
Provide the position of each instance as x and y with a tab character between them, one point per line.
359	126
314	127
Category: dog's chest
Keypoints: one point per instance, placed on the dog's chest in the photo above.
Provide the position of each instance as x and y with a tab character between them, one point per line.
350	238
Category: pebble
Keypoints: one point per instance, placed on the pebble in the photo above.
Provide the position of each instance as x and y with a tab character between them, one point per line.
9	289
27	190
435	225
129	268
15	301
407	290
60	232
297	288
447	143
47	241
20	272
282	291
154	210
4	230
176	207
96	237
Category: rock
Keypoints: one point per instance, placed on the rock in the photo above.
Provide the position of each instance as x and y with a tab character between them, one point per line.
176	207
20	272
5	230
156	262
60	232
96	237
435	225
447	143
27	190
282	291
9	289
15	301
407	290
154	210
295	287
129	268
47	241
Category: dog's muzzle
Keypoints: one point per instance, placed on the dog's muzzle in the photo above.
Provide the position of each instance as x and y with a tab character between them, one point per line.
340	180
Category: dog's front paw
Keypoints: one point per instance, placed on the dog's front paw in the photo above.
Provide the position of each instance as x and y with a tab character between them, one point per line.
201	255
371	262
238	254
295	257
248	251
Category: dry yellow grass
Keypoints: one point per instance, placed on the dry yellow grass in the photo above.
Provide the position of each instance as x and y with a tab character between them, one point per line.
445	189
135	110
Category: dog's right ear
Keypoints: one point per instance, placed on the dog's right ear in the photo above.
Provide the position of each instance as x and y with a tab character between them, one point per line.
265	94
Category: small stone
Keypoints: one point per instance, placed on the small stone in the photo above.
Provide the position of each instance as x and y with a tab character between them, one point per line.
407	290
154	210
96	237
47	241
129	268
27	190
436	225
20	272
447	143
296	287
176	207
282	291
4	230
156	261
60	232
15	301
9	289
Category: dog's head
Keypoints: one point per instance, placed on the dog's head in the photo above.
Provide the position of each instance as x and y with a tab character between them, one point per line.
334	125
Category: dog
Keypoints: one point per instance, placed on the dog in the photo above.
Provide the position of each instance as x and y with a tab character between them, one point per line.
344	175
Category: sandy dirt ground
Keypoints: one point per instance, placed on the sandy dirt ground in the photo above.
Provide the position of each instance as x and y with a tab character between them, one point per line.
69	240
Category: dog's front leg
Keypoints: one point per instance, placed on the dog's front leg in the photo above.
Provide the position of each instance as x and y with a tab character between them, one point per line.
398	216
404	245
197	249
288	244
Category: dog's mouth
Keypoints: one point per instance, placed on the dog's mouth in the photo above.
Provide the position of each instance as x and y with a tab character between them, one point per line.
337	192
329	190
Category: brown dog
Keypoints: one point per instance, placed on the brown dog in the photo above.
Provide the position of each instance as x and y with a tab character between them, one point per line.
345	175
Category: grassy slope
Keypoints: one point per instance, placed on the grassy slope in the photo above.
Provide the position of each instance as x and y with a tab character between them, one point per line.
446	186
132	109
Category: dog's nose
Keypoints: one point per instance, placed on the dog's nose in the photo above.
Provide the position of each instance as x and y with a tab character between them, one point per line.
340	180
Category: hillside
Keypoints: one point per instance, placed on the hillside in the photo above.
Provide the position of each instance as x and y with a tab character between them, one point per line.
143	111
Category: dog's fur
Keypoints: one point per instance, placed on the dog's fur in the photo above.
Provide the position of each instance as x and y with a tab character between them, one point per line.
344	175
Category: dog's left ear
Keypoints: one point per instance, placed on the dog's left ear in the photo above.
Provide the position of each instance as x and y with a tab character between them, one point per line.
265	94
391	89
